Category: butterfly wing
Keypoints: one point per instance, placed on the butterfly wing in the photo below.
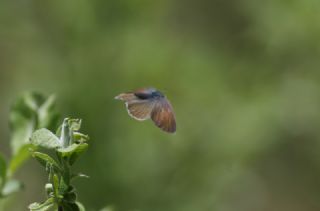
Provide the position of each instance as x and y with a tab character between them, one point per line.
128	96
163	116
140	109
137	108
139	94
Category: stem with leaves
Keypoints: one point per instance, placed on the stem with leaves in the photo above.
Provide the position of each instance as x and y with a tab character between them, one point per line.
29	112
67	144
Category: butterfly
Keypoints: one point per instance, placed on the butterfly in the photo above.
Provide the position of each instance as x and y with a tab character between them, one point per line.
147	103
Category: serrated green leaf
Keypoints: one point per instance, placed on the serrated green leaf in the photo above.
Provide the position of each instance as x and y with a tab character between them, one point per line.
73	151
43	206
45	138
46	160
20	157
11	186
3	171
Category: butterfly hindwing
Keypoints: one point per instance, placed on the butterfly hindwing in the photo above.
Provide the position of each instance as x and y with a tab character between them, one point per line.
163	116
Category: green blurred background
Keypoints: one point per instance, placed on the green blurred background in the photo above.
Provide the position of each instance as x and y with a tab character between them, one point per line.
243	77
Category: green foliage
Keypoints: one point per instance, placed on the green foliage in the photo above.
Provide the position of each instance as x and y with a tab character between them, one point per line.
48	204
67	147
45	138
29	112
3	170
19	158
46	160
11	186
73	151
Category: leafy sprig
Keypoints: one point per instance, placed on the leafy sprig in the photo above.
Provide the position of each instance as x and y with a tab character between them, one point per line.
28	113
67	144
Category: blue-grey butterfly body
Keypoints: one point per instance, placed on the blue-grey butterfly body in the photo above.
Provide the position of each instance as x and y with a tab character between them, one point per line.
147	103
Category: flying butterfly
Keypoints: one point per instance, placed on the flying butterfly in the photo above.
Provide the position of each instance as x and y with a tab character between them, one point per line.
147	103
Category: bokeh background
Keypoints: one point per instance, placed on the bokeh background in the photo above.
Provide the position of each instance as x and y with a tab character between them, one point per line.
243	77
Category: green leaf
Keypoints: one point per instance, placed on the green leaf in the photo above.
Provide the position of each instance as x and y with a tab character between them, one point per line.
73	151
74	124
70	206
80	206
29	112
74	148
22	123
70	197
80	149
46	160
23	119
45	138
47	115
42	207
20	157
80	138
3	171
11	187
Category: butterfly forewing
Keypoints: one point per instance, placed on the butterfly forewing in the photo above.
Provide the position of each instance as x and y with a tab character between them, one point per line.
140	110
127	97
163	116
